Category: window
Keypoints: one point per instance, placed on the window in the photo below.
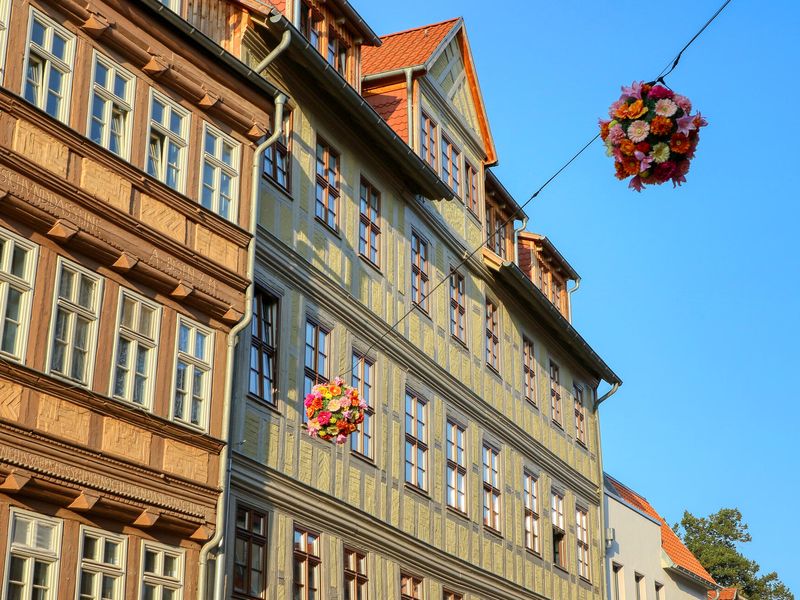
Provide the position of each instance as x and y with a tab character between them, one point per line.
277	156
174	5
639	585
250	553
559	531
529	370
580	415
17	269
137	338
162	572
416	441
111	106
582	536
337	53
496	231
447	595
48	66
659	591
369	230
457	307
451	165
220	180
327	195
427	144
5	13
34	548
492	336
355	575
617	582
491	488
263	382
192	373
307	565
531	497
316	358
555	394
472	189
410	587
167	142
363	380
101	572
309	25
419	271
456	467
74	327
556	293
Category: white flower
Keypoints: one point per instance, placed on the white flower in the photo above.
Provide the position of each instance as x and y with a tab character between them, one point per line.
666	107
638	130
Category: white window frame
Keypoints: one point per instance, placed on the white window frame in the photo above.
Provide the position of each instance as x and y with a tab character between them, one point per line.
532	511
100	567
160	580
192	362
28	552
111	99
456	472
24	285
233	171
75	309
362	441
181	140
136	339
582	542
5	18
66	67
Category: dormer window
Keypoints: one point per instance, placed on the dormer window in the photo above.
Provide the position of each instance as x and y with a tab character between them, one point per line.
337	53
496	231
309	26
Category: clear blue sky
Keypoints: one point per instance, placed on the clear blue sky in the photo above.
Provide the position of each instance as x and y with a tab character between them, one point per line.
689	294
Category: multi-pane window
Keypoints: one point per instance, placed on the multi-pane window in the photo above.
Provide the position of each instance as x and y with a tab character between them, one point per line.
451	166
5	12
559	530
327	188
416	441
74	328
17	268
638	581
337	53
530	491
529	370
448	595
355	575
135	357
111	106
557	294
580	415
419	271
101	572
410	587
220	174
456	467
363	375
48	66
162	572
496	231
276	157
492	336
458	308
167	143
33	555
315	360
250	553
616	582
174	5
471	188
555	393
192	373
659	591
263	347
309	25
307	565
582	536
427	144
491	488
369	230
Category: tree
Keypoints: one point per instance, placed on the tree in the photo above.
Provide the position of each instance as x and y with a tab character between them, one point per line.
715	541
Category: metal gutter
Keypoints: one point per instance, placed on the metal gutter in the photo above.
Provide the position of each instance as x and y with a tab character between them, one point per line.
351	14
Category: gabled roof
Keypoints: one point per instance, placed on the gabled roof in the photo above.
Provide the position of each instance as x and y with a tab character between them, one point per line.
728	593
410	48
553	252
679	554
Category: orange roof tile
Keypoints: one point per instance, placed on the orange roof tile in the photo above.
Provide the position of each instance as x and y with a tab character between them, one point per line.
391	103
729	593
405	48
670	542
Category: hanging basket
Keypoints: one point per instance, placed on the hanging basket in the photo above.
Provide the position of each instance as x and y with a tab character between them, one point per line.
334	411
652	135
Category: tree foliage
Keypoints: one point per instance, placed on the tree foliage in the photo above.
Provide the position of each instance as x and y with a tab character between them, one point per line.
715	541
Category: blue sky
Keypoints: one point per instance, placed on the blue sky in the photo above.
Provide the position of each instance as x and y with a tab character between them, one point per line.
689	294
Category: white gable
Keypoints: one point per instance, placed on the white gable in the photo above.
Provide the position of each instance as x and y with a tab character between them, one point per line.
448	71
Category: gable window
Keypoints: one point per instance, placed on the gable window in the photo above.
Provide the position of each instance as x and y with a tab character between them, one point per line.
137	339
580	415
337	53
451	165
17	269
327	189
101	572
419	271
355	575
263	347
492	336
49	63
250	553
496	231
471	188
416	441
427	144
456	467
277	156
76	312
167	142
582	536
192	373
458	307
162	571
362	380
111	106
529	370
34	549
369	230
309	25
410	587
491	488
307	565
555	394
315	361
220	179
530	492
559	531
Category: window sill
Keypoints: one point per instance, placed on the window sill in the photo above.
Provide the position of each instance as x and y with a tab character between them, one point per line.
491	530
363	458
272	406
417	490
585	580
582	445
534	553
459	342
330	229
532	404
422	311
494	371
560	568
370	264
558	425
458	512
274	183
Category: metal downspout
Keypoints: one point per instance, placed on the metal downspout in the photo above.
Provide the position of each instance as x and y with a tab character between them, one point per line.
286	38
517	231
606	396
569	293
410	105
297	8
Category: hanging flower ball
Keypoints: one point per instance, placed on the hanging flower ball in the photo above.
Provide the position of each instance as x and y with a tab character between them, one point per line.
652	135
334	411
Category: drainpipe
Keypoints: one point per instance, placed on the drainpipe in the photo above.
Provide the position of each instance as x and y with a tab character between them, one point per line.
297	8
569	293
517	231
286	38
608	394
602	519
410	105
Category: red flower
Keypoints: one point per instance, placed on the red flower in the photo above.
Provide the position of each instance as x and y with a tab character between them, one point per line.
659	91
664	171
643	147
679	143
627	147
661	125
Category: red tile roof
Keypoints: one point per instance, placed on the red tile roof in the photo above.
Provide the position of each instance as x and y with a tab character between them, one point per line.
670	542
729	593
391	103
405	48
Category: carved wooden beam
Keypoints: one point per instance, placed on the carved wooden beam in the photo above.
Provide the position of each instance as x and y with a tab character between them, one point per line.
63	231
125	262
14	482
201	534
85	502
147	518
184	290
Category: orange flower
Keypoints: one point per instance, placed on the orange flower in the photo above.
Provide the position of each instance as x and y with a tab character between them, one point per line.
636	109
310	412
354	401
661	125
316	404
335	390
631	166
620	170
604	127
627	147
679	143
343	425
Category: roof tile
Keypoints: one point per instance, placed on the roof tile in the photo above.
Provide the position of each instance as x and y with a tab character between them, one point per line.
405	48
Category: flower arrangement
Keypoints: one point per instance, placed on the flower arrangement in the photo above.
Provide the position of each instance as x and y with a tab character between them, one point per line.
334	411
651	134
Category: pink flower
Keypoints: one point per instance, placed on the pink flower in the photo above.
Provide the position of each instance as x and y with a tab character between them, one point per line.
636	184
685	124
644	160
638	130
614	106
700	121
347	415
616	134
341	438
659	91
309	399
634	90
683	102
666	107
362	405
338	381
324	417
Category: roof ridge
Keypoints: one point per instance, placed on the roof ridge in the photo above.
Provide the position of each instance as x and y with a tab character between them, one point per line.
630	489
418	28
